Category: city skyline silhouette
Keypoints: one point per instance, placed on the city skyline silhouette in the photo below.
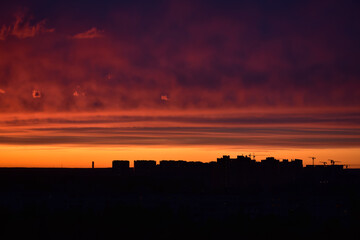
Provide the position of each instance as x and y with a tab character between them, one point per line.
224	198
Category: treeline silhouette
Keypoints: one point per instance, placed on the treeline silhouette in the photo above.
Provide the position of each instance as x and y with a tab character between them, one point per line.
229	198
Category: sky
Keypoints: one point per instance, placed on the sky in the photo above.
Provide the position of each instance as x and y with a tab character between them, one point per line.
84	81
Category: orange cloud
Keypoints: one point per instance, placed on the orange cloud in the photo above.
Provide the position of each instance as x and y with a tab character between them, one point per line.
92	33
226	128
164	98
36	94
2	91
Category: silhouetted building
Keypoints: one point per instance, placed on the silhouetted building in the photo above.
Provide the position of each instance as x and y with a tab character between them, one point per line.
270	161
172	163
225	159
144	166
297	163
232	174
239	161
121	166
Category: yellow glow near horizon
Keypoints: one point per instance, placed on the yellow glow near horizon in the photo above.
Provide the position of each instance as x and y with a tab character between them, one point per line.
81	157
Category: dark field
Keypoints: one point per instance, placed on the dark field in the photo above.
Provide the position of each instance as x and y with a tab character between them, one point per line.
105	203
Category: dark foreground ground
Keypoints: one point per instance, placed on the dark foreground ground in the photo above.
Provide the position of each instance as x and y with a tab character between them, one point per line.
105	204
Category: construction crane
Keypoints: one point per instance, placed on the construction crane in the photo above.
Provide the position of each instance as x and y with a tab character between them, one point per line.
324	163
313	158
333	162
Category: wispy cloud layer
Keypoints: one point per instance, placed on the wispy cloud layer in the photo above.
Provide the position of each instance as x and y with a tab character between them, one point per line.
22	28
301	130
91	33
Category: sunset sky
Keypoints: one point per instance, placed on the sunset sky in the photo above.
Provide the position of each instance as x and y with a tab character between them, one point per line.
102	80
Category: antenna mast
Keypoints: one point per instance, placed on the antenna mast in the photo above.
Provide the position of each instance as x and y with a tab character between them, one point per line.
313	158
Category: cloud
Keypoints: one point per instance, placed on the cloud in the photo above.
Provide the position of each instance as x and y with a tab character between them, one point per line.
230	118
228	60
164	98
4	32
22	28
36	94
2	91
282	130
91	33
211	58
